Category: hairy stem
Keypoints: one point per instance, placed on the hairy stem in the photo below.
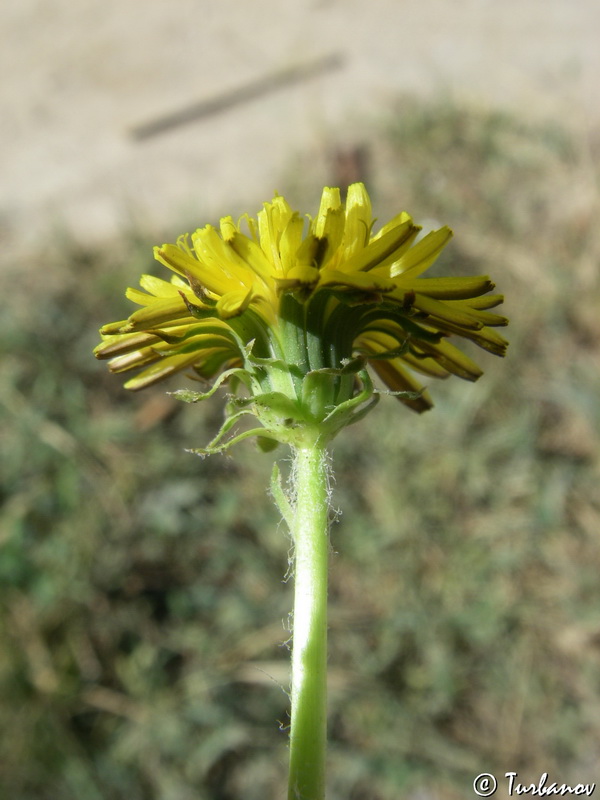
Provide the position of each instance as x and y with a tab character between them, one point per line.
308	735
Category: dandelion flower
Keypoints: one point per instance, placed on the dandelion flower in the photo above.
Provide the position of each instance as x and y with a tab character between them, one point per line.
278	304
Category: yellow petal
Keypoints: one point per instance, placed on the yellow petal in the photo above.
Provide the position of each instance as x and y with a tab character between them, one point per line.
444	311
290	242
489	301
358	220
205	273
425	365
221	267
171	311
160	288
311	251
125	343
487	338
448	288
365	281
333	232
272	221
303	274
134	360
253	256
452	359
330	201
141	298
228	228
380	248
161	370
422	255
176	259
232	304
113	328
399	219
156	289
492	320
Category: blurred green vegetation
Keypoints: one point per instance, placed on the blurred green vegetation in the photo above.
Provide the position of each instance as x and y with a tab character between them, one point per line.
143	606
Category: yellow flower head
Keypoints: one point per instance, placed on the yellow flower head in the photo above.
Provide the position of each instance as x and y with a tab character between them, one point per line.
297	311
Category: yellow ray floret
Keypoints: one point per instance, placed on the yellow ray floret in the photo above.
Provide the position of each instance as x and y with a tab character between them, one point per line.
313	295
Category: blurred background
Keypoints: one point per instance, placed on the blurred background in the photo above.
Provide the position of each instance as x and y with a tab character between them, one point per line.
143	606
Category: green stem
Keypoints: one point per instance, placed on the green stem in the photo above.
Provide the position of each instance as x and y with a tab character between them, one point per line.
308	735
